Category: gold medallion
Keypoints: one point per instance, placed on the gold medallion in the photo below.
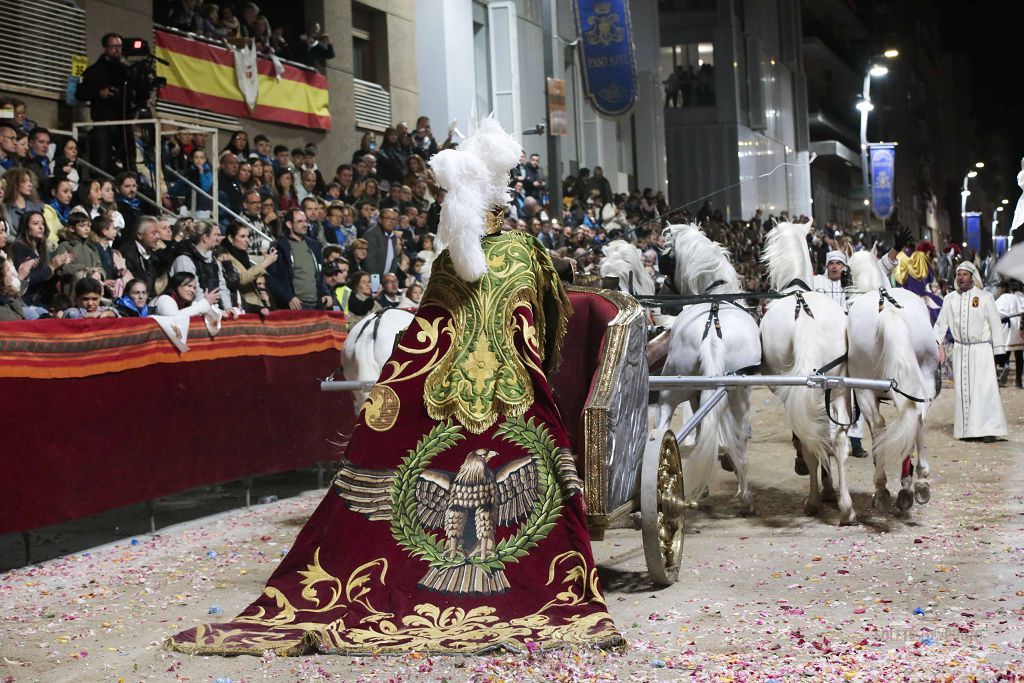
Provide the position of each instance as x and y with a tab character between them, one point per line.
381	408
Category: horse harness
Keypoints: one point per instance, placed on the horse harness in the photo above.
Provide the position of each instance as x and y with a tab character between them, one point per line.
713	318
801	303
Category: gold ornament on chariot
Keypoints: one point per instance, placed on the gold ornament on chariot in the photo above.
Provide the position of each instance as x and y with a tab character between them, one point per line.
381	408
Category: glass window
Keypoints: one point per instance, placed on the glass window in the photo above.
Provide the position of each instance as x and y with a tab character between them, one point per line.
690	80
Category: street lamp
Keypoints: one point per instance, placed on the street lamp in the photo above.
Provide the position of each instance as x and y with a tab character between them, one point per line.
964	194
865	106
995	224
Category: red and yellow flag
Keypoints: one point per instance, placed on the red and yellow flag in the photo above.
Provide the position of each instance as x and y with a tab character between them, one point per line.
202	75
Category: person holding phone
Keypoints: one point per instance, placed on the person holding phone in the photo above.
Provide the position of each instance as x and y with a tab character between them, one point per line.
361	302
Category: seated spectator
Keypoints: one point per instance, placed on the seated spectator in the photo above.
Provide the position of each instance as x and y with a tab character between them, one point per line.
20	197
8	231
367	146
371	194
182	296
31	246
57	209
199	173
415	169
196	256
313	47
134	302
361	302
263	36
287	198
420	198
231	28
65	163
238	145
88	298
127	186
10	287
101	238
76	241
411	297
309	164
247	175
340	228
108	204
308	186
281	161
39	155
360	250
145	257
261	148
236	246
389	296
228	187
394	199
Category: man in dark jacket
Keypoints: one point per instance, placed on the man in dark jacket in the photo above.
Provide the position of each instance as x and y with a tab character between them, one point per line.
296	279
105	86
144	258
313	47
384	253
229	189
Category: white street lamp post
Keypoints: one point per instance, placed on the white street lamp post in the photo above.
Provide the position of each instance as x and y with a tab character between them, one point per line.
865	107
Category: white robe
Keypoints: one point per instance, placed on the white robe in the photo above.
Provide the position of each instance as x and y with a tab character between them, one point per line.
830	288
1012	303
972	318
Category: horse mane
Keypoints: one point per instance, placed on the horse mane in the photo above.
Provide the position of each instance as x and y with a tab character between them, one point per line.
700	261
865	272
786	256
622	258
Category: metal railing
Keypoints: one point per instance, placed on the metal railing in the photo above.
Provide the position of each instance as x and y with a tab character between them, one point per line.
100	172
241	219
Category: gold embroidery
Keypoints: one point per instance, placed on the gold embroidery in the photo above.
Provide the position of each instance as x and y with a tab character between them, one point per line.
380	411
429	628
482	375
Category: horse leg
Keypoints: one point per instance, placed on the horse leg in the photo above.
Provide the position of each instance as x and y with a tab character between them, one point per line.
905	497
922	488
800	465
876	424
812	506
736	449
666	407
847	515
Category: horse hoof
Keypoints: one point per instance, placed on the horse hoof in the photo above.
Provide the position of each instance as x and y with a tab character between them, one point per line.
848	518
904	500
747	509
811	509
922	492
829	495
881	500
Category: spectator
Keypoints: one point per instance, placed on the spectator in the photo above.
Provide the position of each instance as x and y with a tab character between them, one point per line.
245	179
535	185
600	183
311	208
251	213
182	297
199	174
344	178
263	36
384	251
128	203
360	250
313	47
177	150
419	196
133	304
231	28
77	242
31	246
281	161
185	16
238	144
296	279
335	277
39	155
249	13
196	256
371	193
145	257
394	199
391	159
361	302
101	238
340	228
389	296
108	204
66	163
411	298
229	189
287	198
423	138
103	86
88	297
11	308
8	147
415	170
58	207
21	197
236	246
307	185
210	13
367	145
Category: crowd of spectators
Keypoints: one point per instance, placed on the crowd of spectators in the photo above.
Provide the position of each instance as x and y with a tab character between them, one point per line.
243	24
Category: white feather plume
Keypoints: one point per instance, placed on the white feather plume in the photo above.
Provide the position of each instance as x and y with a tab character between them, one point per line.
475	176
461	224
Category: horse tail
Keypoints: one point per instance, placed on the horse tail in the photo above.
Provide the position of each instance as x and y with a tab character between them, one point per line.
899	362
806	407
700	464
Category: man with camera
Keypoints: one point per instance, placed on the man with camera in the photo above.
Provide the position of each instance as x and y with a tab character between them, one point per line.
423	138
104	86
313	48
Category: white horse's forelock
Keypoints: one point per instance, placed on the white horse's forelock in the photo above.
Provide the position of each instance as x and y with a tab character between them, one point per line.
700	261
785	254
622	258
866	273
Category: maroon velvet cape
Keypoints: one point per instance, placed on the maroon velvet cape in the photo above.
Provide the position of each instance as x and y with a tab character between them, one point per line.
349	586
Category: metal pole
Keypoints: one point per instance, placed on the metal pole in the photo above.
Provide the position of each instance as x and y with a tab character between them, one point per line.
159	144
199	190
142	197
812	381
704	409
216	180
865	97
554	189
963	209
346	385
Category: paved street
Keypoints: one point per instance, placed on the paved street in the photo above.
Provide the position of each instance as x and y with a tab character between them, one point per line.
934	594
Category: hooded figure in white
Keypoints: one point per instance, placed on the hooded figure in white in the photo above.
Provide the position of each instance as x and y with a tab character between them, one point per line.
969	314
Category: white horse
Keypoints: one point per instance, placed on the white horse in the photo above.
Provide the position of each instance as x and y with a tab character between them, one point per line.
368	346
623	260
800	334
890	337
710	339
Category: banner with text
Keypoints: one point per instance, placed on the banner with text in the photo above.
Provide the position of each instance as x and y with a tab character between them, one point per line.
203	76
973	230
883	171
606	54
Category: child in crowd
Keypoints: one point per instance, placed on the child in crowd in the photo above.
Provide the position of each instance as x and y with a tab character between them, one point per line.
88	297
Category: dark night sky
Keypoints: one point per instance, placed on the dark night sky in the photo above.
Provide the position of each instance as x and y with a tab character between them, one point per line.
987	33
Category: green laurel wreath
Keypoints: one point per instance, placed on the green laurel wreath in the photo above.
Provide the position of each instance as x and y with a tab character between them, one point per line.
406	529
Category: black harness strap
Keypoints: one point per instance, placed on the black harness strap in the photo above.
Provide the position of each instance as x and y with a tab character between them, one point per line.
712	318
884	296
801	304
376	325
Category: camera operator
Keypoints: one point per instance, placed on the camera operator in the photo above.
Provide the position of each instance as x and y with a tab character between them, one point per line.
313	48
423	138
104	86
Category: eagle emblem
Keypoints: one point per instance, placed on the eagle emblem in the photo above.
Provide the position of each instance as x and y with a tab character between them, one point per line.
451	519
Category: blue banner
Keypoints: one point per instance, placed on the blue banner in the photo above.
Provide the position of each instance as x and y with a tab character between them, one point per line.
883	171
973	230
1001	246
606	54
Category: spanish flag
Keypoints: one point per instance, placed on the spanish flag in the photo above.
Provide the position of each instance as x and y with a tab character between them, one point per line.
202	75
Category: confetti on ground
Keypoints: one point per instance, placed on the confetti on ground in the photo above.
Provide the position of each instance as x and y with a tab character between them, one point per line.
936	594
